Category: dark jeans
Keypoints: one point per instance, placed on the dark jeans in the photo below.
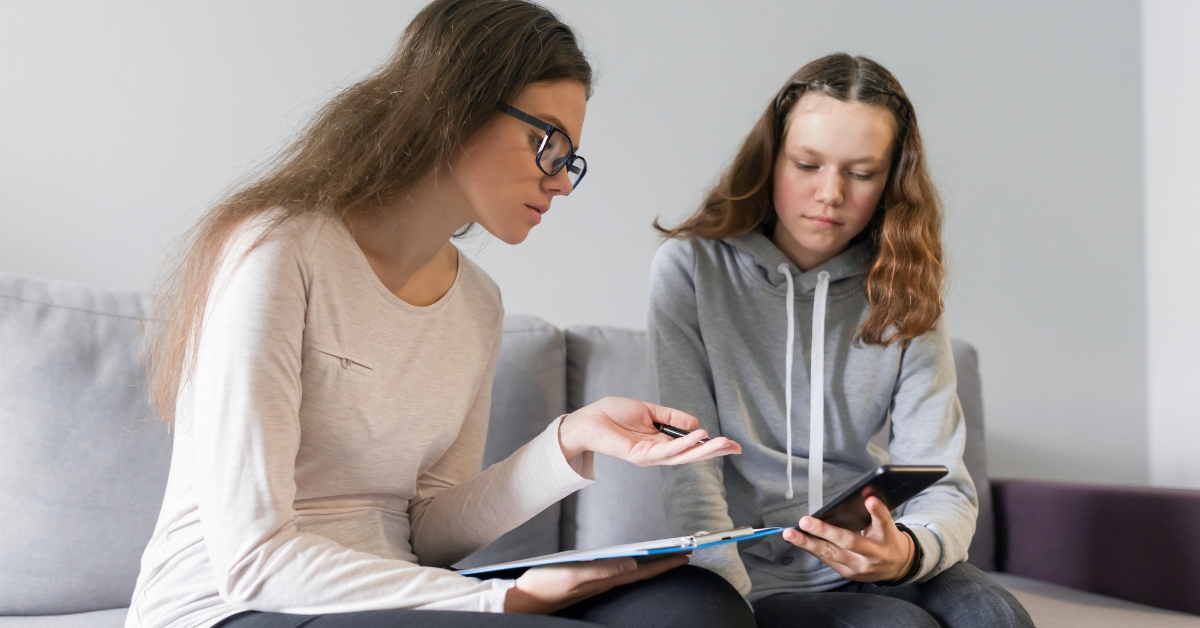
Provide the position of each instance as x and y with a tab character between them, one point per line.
688	597
960	597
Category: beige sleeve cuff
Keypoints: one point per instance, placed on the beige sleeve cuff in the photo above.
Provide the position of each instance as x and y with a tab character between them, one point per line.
582	464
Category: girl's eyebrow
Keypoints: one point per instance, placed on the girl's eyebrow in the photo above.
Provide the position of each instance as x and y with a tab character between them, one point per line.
859	160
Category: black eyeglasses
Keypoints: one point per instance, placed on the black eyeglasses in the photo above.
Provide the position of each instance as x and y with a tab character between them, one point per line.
556	151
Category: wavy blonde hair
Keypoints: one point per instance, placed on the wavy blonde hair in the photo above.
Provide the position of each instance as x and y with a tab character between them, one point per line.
904	285
457	61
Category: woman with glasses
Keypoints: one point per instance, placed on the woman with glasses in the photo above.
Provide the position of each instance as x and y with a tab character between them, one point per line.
326	356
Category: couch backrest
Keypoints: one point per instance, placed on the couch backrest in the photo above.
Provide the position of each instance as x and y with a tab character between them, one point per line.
83	458
625	505
970	394
529	392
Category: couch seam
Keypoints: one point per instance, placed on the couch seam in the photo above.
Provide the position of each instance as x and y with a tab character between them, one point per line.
68	307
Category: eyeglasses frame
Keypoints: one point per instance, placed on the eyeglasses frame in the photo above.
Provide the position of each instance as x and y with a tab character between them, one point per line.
549	129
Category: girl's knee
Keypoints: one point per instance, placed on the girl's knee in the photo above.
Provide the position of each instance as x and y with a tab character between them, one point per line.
850	610
964	595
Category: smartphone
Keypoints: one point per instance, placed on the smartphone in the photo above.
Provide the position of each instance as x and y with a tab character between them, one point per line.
892	484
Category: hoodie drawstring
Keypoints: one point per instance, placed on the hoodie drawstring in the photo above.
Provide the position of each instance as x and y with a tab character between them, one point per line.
816	413
787	389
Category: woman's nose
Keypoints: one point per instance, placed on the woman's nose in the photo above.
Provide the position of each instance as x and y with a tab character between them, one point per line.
559	184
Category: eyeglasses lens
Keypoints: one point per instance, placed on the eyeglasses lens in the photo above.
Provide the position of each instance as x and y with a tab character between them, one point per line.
556	154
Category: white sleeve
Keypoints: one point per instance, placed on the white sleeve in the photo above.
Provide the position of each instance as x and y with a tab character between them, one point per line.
246	433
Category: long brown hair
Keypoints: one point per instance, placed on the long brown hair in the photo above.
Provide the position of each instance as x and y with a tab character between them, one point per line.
904	285
456	62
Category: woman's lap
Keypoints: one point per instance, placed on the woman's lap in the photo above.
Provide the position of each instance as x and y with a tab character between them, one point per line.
936	602
399	619
689	597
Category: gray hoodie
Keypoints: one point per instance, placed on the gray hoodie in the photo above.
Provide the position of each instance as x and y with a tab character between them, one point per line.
728	346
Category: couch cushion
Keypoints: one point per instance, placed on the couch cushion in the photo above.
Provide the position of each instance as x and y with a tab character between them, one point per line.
625	503
982	552
111	618
83	461
1056	606
529	393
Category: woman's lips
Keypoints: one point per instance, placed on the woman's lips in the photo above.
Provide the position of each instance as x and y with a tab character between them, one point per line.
537	212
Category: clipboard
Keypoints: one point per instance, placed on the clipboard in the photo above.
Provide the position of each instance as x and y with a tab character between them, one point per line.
676	545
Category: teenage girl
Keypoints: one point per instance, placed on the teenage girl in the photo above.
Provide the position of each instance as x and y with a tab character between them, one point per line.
796	311
327	354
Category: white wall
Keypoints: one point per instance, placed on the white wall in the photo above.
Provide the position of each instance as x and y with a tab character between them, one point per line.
1171	67
122	122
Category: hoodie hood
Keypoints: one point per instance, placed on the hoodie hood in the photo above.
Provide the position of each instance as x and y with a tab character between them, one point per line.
758	250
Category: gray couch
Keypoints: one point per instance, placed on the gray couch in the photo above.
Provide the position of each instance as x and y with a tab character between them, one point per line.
83	459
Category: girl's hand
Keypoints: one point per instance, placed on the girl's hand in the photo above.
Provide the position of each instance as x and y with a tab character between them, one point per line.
880	552
624	429
544	590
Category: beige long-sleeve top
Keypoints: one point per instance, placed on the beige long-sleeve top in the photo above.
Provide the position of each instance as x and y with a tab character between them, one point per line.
328	447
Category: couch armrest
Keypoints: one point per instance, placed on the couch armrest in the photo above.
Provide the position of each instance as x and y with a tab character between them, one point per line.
1135	543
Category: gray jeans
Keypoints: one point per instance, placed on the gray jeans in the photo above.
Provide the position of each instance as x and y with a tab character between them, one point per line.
960	597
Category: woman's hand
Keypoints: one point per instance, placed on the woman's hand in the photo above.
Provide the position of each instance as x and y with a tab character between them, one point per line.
544	590
624	428
880	552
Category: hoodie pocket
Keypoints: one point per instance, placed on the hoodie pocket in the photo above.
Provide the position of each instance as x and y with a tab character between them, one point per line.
785	514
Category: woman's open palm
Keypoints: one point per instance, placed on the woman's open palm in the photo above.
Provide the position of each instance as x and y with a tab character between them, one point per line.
624	428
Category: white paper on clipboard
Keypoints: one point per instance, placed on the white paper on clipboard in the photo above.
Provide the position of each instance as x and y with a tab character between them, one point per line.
674	545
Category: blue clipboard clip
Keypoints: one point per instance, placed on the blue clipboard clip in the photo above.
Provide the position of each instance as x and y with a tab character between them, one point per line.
704	539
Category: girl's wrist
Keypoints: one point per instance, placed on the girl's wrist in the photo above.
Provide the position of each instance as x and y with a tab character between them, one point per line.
911	565
906	566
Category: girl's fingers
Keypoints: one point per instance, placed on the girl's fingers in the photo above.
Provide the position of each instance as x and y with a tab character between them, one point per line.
841	560
881	518
838	536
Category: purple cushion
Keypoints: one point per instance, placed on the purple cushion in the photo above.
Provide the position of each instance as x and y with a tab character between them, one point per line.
1134	543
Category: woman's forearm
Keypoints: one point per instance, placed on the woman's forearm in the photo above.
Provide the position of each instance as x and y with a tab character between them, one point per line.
461	519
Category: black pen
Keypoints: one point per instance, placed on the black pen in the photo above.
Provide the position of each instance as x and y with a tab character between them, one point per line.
675	432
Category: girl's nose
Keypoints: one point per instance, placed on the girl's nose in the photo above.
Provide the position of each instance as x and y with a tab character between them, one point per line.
829	191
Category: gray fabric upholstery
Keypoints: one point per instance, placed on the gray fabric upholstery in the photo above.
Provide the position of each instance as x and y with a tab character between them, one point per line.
1063	607
625	503
529	393
83	460
112	618
982	552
